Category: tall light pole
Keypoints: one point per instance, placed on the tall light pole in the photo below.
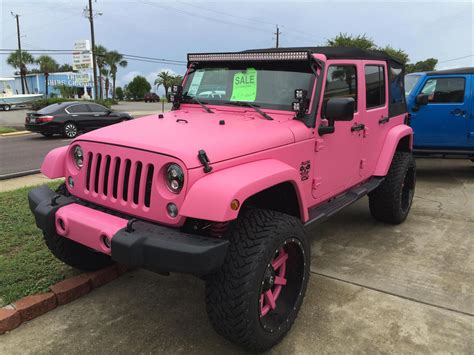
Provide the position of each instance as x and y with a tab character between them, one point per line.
88	13
277	34
19	51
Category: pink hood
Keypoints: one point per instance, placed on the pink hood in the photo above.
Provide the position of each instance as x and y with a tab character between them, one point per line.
242	134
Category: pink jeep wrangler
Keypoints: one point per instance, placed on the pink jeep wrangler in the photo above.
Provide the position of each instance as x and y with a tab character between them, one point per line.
260	147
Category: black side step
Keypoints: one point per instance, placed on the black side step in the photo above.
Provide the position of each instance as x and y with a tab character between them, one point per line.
322	212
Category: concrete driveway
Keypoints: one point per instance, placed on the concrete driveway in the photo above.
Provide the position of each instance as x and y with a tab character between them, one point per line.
374	288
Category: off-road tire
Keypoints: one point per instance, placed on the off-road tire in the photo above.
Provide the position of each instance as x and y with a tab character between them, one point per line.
232	294
72	253
392	200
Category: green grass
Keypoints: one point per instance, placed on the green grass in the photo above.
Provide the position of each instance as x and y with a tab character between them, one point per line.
26	264
7	130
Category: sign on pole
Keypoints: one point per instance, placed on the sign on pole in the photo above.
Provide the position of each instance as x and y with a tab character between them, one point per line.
82	55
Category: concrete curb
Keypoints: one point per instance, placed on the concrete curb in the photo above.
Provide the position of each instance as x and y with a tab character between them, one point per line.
12	134
63	292
19	174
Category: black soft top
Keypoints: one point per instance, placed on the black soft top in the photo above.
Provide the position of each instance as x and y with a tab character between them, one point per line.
332	52
467	70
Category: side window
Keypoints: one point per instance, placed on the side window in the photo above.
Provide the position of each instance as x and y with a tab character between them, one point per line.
78	109
97	108
374	85
444	90
341	81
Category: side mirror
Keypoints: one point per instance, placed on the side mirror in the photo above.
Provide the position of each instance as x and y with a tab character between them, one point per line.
421	99
337	109
176	96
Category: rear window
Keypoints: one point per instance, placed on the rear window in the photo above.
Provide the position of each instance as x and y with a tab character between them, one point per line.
374	85
50	109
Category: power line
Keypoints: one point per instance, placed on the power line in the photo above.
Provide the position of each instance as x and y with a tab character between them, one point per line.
450	60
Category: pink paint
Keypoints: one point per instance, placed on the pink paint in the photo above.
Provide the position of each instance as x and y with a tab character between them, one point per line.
98	187
391	141
87	226
269	297
216	191
53	163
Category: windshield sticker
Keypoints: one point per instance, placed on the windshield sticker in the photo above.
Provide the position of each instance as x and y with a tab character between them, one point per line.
244	86
197	78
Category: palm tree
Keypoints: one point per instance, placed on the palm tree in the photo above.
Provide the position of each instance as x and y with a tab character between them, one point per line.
115	59
47	65
100	58
105	74
14	60
177	79
166	79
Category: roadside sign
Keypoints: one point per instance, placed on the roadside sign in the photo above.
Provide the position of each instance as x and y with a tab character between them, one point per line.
83	78
82	55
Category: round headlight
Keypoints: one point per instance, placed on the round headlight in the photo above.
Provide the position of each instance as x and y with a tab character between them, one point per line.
174	178
78	156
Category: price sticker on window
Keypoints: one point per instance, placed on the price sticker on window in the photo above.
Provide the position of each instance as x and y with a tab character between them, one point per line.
197	78
244	86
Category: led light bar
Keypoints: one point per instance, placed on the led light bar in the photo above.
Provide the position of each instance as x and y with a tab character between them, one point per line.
248	56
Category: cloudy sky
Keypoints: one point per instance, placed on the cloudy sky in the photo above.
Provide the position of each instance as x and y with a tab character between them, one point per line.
170	29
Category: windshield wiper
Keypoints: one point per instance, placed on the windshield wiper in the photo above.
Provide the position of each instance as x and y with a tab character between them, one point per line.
248	104
202	104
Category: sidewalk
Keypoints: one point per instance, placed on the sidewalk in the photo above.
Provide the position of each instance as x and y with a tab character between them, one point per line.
24	181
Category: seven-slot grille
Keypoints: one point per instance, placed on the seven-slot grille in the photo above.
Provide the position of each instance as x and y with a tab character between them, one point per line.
115	178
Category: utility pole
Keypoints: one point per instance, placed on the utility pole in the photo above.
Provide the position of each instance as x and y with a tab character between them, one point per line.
277	34
90	16
19	52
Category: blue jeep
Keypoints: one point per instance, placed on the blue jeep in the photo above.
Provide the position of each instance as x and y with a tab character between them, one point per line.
441	105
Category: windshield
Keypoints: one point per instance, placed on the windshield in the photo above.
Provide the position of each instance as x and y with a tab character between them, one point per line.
263	87
410	82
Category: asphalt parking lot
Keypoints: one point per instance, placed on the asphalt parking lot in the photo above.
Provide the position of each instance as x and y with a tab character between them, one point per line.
374	288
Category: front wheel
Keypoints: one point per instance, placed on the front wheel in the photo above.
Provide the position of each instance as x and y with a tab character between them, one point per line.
255	297
392	200
70	130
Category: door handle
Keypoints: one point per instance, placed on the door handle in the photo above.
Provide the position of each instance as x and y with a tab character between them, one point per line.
358	127
384	120
458	112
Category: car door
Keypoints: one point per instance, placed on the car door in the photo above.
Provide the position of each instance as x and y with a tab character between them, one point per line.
79	113
374	105
444	121
102	115
337	155
471	115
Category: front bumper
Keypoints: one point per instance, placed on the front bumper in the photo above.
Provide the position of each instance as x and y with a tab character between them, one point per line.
139	244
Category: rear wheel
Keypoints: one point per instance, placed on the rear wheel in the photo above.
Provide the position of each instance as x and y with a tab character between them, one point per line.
70	130
255	297
392	200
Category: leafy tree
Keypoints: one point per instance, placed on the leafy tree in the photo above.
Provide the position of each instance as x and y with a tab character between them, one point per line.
119	93
364	42
114	59
138	87
64	68
14	61
398	54
422	65
349	40
100	58
47	65
166	79
177	79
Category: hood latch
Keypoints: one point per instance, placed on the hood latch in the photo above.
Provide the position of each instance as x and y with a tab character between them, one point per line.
202	156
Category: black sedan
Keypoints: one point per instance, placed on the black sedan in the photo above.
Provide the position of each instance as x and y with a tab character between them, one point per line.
70	118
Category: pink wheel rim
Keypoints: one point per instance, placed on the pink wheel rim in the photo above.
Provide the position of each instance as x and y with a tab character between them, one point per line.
269	297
